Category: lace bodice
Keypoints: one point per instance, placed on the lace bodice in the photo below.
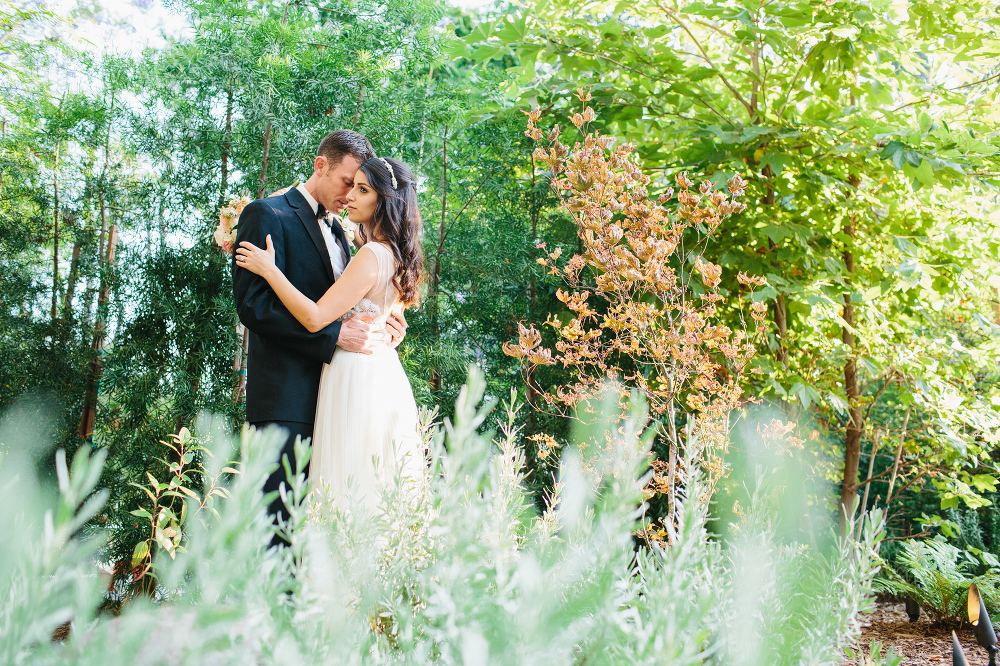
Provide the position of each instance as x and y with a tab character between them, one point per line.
382	297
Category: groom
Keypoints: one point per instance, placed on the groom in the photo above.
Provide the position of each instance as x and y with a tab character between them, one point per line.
285	360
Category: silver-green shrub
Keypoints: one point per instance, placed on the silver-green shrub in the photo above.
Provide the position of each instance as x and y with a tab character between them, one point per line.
459	571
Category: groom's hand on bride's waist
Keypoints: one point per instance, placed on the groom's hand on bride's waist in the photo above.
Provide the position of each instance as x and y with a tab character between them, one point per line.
361	334
396	327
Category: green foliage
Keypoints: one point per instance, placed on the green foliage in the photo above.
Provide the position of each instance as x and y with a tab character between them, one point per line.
48	574
238	104
934	574
874	656
462	570
872	153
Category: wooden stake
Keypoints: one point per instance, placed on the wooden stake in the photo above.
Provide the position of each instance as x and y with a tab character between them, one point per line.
871	467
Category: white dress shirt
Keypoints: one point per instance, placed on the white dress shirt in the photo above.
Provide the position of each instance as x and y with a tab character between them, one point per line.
337	258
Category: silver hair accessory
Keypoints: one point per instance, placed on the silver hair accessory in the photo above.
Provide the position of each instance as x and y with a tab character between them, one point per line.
391	172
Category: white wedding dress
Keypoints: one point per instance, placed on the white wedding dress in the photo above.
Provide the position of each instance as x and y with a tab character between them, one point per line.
366	418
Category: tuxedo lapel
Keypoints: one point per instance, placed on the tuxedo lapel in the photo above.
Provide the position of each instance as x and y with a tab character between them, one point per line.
308	219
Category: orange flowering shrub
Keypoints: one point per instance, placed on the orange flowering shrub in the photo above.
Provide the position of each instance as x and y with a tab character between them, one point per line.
644	303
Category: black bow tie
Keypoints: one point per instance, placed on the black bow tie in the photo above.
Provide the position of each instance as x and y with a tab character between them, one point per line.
321	215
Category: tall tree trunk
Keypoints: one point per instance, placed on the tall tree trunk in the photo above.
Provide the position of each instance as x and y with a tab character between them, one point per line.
531	395
856	424
757	101
192	373
781	323
240	363
433	294
780	310
263	166
534	233
241	379
88	303
359	103
239	358
94	370
74	272
55	236
3	141
227	145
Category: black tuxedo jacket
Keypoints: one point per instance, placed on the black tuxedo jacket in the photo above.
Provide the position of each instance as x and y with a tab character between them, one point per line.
285	360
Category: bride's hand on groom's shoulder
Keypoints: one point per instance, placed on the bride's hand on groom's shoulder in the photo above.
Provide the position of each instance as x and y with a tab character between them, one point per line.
254	259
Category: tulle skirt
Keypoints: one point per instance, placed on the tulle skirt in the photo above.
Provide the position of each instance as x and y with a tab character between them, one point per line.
365	435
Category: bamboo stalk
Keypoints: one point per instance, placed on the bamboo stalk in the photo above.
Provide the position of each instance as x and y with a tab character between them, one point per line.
3	139
241	380
55	235
359	104
436	274
267	151
74	272
92	390
227	143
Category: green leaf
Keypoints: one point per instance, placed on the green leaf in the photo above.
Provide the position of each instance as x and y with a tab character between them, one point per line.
838	402
187	491
140	553
807	395
906	246
984	482
777	162
925	174
754	132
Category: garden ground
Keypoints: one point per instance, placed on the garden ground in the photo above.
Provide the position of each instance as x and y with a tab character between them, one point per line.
921	642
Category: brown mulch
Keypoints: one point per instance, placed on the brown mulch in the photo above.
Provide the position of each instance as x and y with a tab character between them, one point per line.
920	642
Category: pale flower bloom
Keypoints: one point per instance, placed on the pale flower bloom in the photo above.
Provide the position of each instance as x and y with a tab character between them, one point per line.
229	215
350	229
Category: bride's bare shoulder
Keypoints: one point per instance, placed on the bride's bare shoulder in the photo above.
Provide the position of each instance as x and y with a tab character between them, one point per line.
376	247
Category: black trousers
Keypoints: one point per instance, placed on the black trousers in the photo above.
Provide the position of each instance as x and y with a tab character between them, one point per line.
294	429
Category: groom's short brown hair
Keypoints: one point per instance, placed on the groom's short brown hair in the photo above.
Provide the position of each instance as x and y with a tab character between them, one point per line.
339	143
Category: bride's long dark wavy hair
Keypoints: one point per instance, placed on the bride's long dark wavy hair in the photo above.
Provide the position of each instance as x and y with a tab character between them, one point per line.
396	221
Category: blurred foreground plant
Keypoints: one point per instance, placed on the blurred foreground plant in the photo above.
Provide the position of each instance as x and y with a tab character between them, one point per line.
459	570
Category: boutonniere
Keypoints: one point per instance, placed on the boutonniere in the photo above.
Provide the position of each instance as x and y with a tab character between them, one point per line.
350	231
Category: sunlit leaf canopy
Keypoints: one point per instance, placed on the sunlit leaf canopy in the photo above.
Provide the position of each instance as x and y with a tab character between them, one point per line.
869	132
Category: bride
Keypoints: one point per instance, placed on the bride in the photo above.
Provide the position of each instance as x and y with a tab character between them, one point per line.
366	418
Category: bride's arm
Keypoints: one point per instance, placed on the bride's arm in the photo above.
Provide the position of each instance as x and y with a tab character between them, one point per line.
356	281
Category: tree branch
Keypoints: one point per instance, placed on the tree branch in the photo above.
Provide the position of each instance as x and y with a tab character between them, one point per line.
638	72
704	55
795	80
892	375
468	201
